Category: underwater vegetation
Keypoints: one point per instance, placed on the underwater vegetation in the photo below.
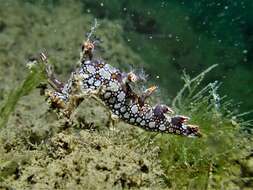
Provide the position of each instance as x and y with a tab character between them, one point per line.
40	151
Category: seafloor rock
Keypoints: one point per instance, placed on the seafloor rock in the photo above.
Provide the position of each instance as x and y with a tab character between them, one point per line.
38	151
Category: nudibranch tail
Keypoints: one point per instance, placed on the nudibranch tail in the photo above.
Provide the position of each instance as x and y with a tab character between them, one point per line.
113	88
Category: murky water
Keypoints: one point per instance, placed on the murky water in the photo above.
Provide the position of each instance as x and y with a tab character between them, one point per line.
163	42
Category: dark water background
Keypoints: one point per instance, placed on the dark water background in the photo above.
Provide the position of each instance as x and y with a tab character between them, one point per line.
177	35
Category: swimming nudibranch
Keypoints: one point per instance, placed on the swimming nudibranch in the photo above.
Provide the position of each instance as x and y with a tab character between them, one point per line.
112	87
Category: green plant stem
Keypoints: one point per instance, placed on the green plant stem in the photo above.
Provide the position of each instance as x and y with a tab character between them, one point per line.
31	81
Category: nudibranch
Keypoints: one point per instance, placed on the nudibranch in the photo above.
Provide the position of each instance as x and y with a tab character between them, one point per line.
113	89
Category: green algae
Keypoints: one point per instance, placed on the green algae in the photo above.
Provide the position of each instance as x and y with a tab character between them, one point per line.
212	162
32	80
40	151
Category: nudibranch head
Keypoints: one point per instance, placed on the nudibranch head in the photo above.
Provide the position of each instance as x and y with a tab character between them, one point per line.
178	125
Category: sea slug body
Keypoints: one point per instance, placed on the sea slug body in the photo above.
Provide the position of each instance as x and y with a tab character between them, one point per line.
94	77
